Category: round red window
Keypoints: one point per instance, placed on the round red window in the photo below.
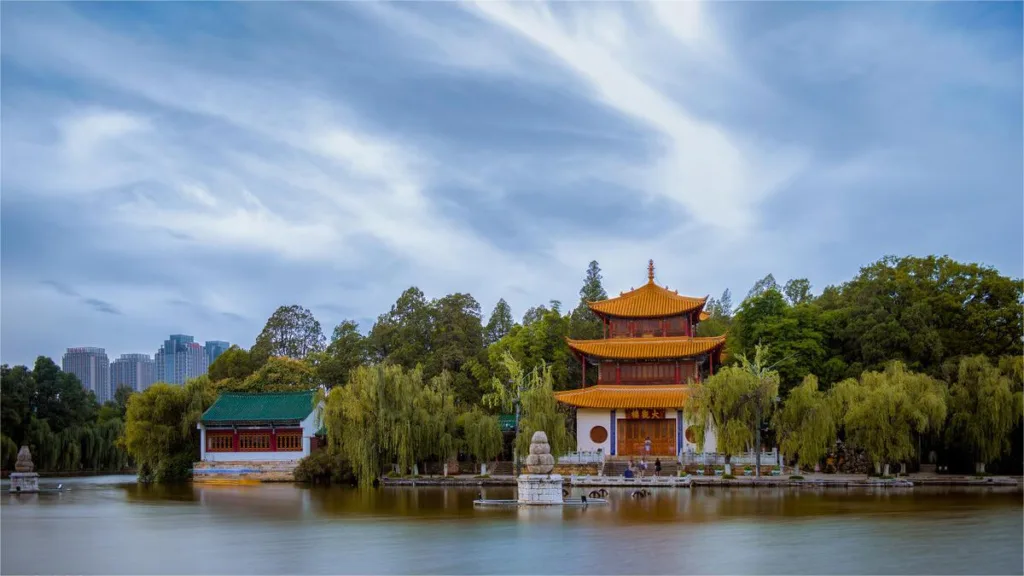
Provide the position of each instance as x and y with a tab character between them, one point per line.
691	436
598	434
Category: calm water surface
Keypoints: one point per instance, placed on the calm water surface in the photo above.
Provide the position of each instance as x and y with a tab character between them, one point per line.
111	525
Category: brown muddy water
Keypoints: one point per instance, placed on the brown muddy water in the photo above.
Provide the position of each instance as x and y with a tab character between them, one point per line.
111	525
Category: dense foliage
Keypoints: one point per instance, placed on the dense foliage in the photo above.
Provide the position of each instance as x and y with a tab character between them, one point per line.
66	430
734	402
439	363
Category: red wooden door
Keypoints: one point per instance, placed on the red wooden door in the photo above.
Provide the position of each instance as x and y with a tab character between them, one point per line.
631	434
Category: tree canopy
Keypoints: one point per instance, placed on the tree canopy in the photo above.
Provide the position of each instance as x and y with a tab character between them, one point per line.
985	406
290	331
883	411
733	402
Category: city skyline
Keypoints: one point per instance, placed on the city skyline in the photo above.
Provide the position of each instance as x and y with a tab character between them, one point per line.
178	359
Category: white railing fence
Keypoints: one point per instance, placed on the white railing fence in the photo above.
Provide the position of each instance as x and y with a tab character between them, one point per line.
582	457
768	458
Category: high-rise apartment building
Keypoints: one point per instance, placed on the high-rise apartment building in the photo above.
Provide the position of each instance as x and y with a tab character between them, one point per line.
215	348
92	367
179	359
134	371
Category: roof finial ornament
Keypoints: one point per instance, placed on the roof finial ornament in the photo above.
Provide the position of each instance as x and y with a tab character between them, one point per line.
650	270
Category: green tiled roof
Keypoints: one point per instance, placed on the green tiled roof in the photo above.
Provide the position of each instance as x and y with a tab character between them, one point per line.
507	422
274	406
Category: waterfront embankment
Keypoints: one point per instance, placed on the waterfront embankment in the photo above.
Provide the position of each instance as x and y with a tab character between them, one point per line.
809	480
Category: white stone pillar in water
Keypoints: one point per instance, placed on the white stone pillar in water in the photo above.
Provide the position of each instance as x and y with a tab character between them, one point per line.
24	479
483	468
539	485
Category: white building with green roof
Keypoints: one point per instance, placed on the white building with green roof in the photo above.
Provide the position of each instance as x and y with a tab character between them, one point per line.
277	427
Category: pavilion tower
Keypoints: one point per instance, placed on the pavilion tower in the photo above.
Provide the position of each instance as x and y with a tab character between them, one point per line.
645	361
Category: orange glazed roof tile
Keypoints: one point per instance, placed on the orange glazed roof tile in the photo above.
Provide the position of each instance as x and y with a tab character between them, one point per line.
648	301
619	396
649	348
704	315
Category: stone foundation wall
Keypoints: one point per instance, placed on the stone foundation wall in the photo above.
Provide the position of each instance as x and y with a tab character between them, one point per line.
540	489
577	469
272	471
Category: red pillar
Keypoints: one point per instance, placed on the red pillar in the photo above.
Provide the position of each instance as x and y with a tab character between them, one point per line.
618	373
273	440
234	441
677	373
711	364
664	327
583	378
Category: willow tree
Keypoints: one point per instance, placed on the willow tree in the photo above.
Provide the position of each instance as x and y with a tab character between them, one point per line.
388	415
806	423
733	403
481	434
160	428
883	411
985	405
435	418
531	395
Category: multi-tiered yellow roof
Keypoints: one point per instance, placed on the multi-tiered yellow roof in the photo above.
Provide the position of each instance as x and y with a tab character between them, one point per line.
660	359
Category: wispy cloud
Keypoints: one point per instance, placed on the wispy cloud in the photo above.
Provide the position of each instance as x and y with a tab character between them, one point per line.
193	178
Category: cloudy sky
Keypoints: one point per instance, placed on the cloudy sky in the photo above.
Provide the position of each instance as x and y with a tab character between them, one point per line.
187	168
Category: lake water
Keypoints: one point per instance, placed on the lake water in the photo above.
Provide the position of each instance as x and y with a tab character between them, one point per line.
111	525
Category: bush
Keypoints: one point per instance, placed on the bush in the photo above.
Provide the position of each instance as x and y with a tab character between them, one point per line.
325	466
177	468
728	477
796	477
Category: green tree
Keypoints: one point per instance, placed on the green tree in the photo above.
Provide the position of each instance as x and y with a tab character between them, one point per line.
795	332
584	324
481	434
725	304
278	374
389	415
798	291
542	342
805	423
530	394
60	398
499	324
925	311
734	402
347	350
985	406
719	316
17	391
235	363
885	411
160	431
290	331
456	333
537	313
763	285
402	336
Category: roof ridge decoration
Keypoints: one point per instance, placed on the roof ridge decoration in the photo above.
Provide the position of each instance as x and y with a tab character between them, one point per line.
648	301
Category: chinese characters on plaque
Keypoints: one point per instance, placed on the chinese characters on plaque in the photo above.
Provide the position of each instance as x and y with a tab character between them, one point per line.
645	413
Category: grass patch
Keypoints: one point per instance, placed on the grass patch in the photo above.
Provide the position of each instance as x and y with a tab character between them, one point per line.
796	477
482	476
728	477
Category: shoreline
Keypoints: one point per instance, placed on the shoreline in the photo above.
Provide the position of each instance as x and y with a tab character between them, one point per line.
809	481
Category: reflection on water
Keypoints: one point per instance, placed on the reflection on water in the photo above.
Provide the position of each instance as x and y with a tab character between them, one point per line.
113	525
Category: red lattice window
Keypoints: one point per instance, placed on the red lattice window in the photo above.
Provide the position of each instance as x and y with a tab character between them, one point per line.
289	442
219	443
254	442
